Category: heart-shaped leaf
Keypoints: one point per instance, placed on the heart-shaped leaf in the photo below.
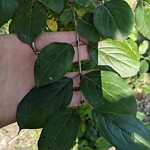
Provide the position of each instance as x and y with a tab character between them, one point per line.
42	102
30	21
123	57
53	62
87	29
7	10
124	132
60	131
107	92
55	5
142	18
114	19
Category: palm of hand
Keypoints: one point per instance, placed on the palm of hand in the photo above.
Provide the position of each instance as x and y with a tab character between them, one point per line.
16	74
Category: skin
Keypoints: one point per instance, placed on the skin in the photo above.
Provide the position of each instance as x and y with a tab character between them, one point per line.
17	70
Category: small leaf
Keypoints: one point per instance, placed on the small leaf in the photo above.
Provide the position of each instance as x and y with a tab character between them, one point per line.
7	10
55	5
42	102
144	66
83	3
60	131
143	47
107	92
87	29
114	19
124	132
66	16
142	18
85	148
121	56
53	62
30	21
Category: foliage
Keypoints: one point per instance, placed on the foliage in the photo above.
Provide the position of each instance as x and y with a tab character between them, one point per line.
107	25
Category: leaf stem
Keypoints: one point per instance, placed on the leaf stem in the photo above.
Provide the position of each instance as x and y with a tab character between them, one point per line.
77	42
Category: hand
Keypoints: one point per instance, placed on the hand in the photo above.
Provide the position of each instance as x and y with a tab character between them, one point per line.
17	70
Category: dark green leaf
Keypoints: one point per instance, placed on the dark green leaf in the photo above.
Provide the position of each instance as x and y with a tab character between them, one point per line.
107	92
142	18
30	21
66	16
114	19
42	102
55	5
87	29
7	10
124	132
53	62
123	57
60	131
83	3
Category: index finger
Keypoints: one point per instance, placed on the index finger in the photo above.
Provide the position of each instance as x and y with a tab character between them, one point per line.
67	37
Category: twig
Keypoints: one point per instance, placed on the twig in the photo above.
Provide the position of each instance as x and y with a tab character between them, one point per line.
78	42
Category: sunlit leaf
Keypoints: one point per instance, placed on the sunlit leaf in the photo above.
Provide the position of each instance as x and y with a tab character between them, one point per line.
107	92
114	19
124	132
123	57
42	102
60	131
142	18
54	61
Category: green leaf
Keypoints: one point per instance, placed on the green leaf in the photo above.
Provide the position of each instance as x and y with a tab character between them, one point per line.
60	131
102	144
144	66
120	56
143	47
142	18
124	132
85	148
66	16
55	5
30	21
83	3
42	102
53	62
7	10
114	19
87	29
107	92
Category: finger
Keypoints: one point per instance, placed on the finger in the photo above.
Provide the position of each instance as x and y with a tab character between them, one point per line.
76	99
68	37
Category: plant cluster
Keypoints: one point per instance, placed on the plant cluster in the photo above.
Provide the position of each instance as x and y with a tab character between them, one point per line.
106	24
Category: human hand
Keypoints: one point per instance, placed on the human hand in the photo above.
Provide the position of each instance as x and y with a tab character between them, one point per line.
17	70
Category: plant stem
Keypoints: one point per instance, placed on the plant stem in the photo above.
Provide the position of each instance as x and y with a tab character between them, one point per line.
78	43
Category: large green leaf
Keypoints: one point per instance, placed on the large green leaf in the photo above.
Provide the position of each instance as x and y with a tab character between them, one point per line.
7	10
124	132
87	29
30	21
42	102
107	92
114	19
142	18
55	5
60	131
123	57
53	62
